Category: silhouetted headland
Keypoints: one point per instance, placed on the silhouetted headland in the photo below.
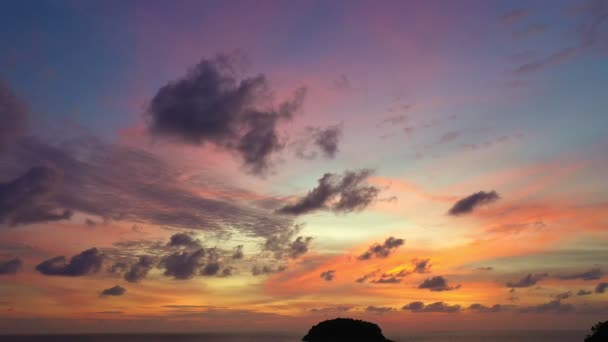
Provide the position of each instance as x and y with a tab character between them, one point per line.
599	332
345	330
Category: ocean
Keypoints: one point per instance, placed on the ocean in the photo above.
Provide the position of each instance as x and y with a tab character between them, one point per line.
504	336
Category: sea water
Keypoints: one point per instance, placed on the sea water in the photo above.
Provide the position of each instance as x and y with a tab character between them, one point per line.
504	336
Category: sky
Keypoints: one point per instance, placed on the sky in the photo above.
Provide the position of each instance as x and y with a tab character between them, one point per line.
231	166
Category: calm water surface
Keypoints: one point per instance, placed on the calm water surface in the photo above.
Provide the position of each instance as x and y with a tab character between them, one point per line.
534	336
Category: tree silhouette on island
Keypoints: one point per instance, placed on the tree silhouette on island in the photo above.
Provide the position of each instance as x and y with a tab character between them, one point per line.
345	330
599	333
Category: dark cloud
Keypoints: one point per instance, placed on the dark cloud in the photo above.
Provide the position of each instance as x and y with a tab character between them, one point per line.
601	287
341	194
210	105
482	308
413	306
11	266
13	117
238	253
327	139
563	295
28	198
299	246
140	269
328	275
367	276
433	307
387	279
583	293
287	244
114	291
87	262
118	267
379	309
437	283
117	182
467	204
183	240
592	274
262	270
421	266
527	281
555	306
211	269
383	250
90	222
553	59
183	265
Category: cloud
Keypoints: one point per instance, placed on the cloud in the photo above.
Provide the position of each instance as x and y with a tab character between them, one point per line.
433	307
87	262
212	268
383	250
601	287
512	16
287	244
238	252
592	274
325	139
299	246
583	293
467	204
379	309
328	275
388	279
210	105
11	266
483	309
14	115
555	306
530	30
183	240
28	198
449	136
486	268
262	270
332	309
563	295
140	269
594	14
117	182
183	265
527	281
340	194
367	276
437	283
553	59
113	291
421	266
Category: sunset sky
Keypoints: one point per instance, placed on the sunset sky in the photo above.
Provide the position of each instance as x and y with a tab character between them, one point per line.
253	166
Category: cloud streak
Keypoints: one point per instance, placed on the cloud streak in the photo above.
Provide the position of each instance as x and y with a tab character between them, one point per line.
468	204
338	193
382	250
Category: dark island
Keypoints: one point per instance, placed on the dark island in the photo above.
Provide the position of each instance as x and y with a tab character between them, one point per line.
345	330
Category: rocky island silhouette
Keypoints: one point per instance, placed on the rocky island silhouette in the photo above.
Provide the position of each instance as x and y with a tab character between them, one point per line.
345	330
